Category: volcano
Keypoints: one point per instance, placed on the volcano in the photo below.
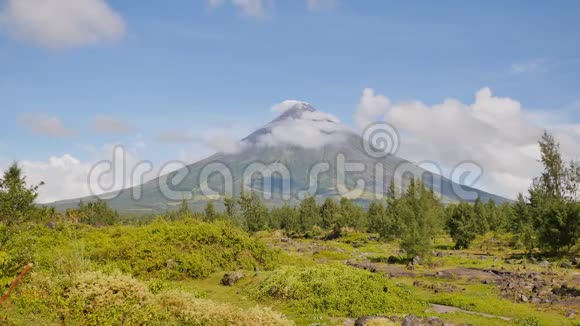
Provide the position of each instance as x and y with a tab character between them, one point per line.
303	152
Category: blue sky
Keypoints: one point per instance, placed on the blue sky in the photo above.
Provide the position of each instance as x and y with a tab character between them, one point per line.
191	66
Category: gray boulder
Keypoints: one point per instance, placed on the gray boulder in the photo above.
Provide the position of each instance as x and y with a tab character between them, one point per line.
230	279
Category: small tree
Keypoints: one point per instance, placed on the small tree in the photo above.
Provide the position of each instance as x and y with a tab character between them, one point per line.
480	217
354	216
16	201
288	217
230	205
420	212
328	212
522	224
553	198
16	197
309	214
462	225
376	217
254	212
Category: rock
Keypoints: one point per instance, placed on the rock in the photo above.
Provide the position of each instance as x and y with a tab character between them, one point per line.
576	261
416	260
256	268
365	320
411	320
433	321
230	279
535	300
523	298
570	314
50	224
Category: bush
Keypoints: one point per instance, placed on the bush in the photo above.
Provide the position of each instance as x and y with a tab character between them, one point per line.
167	250
191	311
96	298
336	290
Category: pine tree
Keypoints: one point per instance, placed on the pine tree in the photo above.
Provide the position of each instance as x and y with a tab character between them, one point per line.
328	213
462	225
522	224
421	213
309	214
288	217
254	212
353	215
553	199
480	217
376	217
16	197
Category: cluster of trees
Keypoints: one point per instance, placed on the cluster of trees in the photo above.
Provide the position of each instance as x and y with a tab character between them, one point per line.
95	213
547	218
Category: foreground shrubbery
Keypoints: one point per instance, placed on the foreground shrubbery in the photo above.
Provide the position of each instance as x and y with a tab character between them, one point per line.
95	298
166	250
337	290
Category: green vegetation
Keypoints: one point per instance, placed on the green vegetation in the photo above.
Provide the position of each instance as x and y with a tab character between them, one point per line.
336	291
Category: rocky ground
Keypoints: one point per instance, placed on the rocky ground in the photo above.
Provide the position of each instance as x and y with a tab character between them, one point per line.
547	285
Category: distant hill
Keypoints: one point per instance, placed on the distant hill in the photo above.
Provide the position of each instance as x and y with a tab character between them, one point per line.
299	139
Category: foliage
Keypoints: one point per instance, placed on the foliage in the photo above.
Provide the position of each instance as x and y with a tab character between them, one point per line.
336	290
328	213
309	214
96	298
174	250
16	197
94	213
462	224
254	212
420	213
553	199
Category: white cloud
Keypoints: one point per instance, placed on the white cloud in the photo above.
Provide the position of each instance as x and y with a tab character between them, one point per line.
67	177
43	125
370	107
223	142
111	125
495	132
285	105
252	8
59	24
320	4
310	129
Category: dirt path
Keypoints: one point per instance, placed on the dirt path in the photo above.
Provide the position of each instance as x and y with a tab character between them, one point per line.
442	309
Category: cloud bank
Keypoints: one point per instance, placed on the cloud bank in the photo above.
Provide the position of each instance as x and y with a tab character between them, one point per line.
493	131
61	24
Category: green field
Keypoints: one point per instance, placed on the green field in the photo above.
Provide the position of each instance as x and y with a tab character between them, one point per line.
169	272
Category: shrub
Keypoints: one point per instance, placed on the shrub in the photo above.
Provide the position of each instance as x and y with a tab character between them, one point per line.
167	250
96	298
336	290
191	311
